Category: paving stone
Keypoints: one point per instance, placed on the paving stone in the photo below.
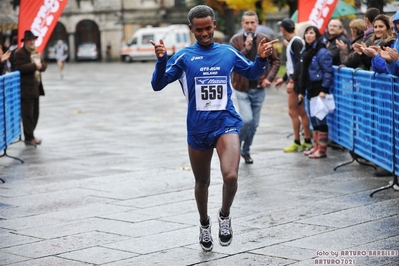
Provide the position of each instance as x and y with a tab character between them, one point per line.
97	255
112	185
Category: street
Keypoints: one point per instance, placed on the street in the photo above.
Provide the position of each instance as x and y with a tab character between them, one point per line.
111	184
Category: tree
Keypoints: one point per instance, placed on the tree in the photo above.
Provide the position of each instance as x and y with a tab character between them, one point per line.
292	5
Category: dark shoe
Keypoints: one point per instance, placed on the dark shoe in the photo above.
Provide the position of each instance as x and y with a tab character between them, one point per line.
381	172
33	142
247	158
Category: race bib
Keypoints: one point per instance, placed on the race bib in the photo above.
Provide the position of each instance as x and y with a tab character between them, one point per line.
211	93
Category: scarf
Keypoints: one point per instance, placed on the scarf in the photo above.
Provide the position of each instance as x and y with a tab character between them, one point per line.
34	55
302	75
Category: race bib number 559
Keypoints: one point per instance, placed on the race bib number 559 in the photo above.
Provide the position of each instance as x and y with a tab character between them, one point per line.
211	93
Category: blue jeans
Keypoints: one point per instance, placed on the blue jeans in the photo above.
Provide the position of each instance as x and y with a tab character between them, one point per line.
249	105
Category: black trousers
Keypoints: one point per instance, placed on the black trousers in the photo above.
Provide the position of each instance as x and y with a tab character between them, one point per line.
30	116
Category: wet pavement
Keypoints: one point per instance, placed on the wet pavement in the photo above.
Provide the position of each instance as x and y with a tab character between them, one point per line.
111	185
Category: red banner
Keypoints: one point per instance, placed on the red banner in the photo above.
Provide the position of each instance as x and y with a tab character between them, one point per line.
318	12
41	17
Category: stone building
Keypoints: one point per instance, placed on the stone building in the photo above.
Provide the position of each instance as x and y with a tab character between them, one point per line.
107	22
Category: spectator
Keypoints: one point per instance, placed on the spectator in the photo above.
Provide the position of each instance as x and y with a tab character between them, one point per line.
391	54
13	49
30	65
315	75
250	94
109	52
349	57
335	33
369	17
296	112
5	66
382	37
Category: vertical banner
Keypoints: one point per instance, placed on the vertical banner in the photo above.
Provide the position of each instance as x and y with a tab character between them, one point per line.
41	17
318	12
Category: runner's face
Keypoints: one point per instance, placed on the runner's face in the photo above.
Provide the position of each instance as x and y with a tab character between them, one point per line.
379	28
203	29
310	36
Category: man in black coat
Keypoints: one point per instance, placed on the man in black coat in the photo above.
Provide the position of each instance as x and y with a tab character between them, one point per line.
28	62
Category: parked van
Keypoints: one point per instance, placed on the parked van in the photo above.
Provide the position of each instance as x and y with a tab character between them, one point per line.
139	48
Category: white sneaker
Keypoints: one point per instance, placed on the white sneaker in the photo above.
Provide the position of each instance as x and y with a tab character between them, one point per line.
225	230
205	236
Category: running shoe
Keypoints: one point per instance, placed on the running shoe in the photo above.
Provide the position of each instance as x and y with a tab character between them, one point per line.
225	230
294	148
205	237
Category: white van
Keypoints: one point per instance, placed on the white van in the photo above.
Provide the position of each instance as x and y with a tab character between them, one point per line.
139	48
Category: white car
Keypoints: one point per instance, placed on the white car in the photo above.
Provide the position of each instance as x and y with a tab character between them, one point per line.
87	51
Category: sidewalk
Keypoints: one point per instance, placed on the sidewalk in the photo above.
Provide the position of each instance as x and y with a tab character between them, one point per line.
111	184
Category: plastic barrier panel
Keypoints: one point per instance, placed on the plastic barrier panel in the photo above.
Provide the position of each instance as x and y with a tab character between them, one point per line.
340	122
396	122
373	130
13	106
2	116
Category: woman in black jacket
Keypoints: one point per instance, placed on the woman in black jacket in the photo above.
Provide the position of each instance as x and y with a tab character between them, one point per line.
314	75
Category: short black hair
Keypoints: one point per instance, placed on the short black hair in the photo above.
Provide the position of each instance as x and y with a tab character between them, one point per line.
371	13
200	11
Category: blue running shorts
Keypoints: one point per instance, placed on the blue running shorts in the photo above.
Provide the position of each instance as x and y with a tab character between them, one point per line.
208	140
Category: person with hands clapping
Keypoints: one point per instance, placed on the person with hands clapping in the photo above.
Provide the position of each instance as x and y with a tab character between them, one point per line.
4	69
203	70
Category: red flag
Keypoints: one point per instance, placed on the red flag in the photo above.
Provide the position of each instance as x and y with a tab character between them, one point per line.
41	17
318	12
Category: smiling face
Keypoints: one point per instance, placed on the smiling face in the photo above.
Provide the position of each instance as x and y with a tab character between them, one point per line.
203	29
380	29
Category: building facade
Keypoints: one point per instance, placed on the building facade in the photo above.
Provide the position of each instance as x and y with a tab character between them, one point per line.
106	22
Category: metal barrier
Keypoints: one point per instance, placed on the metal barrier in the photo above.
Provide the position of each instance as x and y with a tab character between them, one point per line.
366	118
10	111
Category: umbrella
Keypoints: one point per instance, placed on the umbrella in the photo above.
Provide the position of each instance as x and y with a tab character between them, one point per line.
264	29
341	9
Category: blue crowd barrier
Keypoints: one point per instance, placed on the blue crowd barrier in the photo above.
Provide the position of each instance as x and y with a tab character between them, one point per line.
10	110
366	118
396	119
2	116
13	106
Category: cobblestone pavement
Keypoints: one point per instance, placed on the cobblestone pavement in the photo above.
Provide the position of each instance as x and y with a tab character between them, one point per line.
111	185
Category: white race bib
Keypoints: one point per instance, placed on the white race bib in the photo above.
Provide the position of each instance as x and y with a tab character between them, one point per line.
211	93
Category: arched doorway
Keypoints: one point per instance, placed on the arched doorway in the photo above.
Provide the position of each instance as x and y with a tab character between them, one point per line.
87	32
59	33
